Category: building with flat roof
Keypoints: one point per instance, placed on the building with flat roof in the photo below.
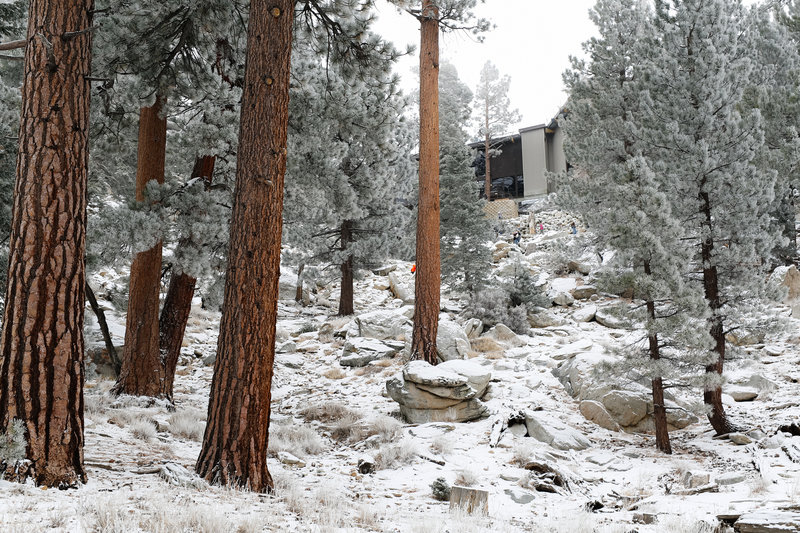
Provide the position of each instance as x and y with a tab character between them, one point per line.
520	170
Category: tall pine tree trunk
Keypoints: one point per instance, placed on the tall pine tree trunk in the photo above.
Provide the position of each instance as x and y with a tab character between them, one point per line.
428	276
298	292
142	370
41	345
487	159
657	383
235	443
712	396
346	293
178	301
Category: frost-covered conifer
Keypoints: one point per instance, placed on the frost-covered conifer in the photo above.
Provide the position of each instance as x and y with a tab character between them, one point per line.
616	192
12	27
706	147
465	230
349	166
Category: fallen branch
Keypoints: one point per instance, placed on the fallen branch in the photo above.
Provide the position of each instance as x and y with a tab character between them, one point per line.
431	459
711	487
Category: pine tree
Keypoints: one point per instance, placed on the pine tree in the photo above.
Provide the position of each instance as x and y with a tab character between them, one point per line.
235	443
623	201
449	15
492	106
708	145
465	230
342	203
41	353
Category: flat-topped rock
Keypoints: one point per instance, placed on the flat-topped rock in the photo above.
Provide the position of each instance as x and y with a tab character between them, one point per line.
424	373
477	376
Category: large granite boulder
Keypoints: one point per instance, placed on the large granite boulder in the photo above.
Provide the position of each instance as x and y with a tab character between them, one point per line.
585	314
359	352
382	324
451	341
402	286
552	431
542	318
448	392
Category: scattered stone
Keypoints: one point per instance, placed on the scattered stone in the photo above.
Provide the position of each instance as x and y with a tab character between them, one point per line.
404	290
384	271
290	360
626	408
210	360
544	319
739	438
564	299
768	521
692	480
382	324
742	394
579	266
585	314
519	496
584	292
451	341
289	459
461	412
730	478
366	465
358	352
448	392
555	433
595	412
473	328
605	318
773	350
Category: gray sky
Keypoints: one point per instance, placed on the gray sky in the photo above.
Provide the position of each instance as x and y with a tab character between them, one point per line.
532	42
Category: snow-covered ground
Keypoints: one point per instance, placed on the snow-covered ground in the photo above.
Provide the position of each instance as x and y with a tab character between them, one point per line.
329	417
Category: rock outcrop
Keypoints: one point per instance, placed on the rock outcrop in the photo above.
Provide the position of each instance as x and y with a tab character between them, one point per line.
449	392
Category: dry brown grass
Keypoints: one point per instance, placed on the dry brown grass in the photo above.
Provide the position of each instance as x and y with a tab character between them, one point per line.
334	373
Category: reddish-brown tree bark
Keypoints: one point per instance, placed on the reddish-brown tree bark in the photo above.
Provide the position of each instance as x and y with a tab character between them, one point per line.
712	396
142	370
346	293
41	345
178	301
235	442
428	275
657	384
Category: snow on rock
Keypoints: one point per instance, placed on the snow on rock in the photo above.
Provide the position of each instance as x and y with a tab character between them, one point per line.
473	328
451	341
448	392
555	433
584	314
595	412
605	317
402	286
583	292
358	352
544	319
383	324
503	334
564	299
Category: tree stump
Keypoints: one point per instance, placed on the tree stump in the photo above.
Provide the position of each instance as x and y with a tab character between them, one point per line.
472	501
